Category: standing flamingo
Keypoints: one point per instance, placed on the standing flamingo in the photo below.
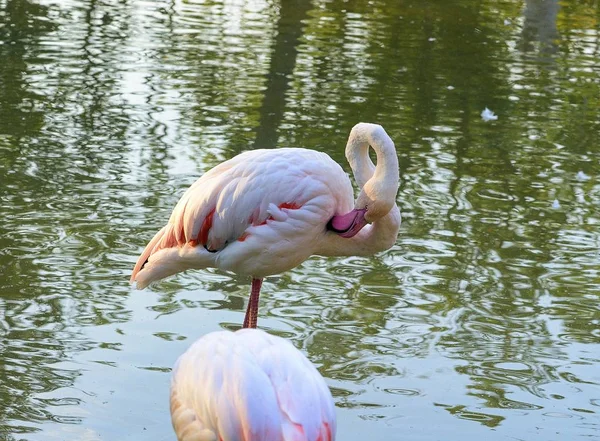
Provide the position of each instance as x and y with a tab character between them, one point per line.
249	385
264	212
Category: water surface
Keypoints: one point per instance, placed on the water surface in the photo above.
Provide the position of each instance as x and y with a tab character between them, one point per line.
481	323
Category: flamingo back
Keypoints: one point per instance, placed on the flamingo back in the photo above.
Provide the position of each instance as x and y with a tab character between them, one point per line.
249	385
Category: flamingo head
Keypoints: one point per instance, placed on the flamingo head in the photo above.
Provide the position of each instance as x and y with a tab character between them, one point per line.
377	198
349	224
366	210
375	201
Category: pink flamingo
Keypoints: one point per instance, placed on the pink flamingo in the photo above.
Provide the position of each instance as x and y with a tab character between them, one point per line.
249	385
264	212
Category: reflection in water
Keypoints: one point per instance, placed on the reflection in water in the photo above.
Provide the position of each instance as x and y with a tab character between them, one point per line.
540	25
484	315
19	105
283	60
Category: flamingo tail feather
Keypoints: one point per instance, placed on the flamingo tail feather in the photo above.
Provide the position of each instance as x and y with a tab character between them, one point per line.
163	257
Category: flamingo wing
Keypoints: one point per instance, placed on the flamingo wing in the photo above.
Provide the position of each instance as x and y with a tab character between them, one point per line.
246	191
249	385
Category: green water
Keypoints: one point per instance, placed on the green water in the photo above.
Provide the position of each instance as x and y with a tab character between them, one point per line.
483	322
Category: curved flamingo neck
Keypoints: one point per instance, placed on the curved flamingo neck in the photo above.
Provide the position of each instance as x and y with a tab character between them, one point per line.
363	136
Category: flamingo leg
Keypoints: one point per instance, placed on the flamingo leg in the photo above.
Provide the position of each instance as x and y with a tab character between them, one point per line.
251	318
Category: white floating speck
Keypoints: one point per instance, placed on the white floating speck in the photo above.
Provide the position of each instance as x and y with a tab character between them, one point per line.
488	115
582	176
450	87
432	38
556	204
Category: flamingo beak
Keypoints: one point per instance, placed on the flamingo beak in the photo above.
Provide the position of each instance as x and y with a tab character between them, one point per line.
349	224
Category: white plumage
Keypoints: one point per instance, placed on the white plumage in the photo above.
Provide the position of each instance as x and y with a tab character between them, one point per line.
248	386
242	194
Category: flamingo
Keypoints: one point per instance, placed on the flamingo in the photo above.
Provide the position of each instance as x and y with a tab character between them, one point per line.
249	385
264	212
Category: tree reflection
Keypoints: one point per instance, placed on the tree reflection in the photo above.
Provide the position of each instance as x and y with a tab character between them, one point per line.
540	26
292	13
24	24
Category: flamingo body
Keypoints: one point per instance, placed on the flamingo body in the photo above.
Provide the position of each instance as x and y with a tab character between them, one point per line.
249	385
260	213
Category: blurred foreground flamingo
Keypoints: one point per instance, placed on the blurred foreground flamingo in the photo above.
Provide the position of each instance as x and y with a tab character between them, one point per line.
249	385
264	212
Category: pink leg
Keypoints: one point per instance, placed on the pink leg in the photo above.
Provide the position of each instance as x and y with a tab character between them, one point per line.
251	318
